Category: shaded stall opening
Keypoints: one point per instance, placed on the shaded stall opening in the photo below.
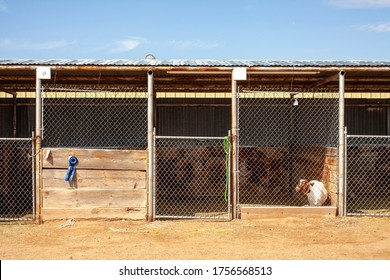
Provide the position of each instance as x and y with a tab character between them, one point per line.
285	137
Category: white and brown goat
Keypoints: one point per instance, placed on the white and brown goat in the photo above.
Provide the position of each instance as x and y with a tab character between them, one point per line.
314	190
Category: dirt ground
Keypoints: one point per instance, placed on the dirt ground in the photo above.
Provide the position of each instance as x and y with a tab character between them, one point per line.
331	238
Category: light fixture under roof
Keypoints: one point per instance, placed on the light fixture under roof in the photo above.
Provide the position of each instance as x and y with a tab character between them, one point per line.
149	57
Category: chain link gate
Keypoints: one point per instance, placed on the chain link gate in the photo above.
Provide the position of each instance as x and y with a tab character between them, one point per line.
368	175
17	191
285	137
192	177
88	117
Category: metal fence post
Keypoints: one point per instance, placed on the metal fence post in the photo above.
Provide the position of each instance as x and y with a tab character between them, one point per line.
42	73
34	189
150	217
234	148
38	140
345	171
154	175
341	152
229	174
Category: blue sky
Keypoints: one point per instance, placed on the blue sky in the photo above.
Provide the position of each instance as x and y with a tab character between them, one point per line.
199	29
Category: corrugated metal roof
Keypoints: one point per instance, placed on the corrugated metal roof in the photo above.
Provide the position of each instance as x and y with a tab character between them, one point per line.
197	62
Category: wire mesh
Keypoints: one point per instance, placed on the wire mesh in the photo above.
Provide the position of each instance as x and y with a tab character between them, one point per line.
95	117
368	175
286	137
192	178
16	179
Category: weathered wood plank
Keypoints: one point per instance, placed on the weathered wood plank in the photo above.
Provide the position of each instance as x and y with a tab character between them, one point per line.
75	198
96	159
254	212
94	213
95	179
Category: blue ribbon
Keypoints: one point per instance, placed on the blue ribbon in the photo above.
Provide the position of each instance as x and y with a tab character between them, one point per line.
71	168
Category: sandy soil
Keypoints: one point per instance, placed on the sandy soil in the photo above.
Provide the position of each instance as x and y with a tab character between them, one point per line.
274	239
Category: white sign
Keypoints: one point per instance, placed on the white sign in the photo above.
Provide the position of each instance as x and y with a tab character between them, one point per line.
239	74
43	73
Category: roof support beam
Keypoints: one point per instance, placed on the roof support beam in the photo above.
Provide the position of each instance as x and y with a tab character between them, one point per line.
13	93
334	77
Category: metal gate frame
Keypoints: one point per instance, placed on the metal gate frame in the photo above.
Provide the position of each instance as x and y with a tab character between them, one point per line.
367	166
22	216
225	216
315	142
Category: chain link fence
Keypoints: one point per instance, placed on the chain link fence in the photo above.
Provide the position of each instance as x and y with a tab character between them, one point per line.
95	117
17	194
192	178
285	137
368	175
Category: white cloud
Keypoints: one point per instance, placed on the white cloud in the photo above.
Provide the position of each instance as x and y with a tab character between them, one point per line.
3	6
192	44
41	46
359	4
380	27
126	45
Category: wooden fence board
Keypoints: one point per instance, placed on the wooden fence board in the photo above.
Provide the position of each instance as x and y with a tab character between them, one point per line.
95	179
254	212
75	198
94	213
96	159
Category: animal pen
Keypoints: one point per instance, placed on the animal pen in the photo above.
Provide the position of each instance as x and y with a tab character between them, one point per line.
285	137
162	139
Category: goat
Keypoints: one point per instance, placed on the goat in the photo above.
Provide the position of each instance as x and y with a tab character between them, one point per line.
314	190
